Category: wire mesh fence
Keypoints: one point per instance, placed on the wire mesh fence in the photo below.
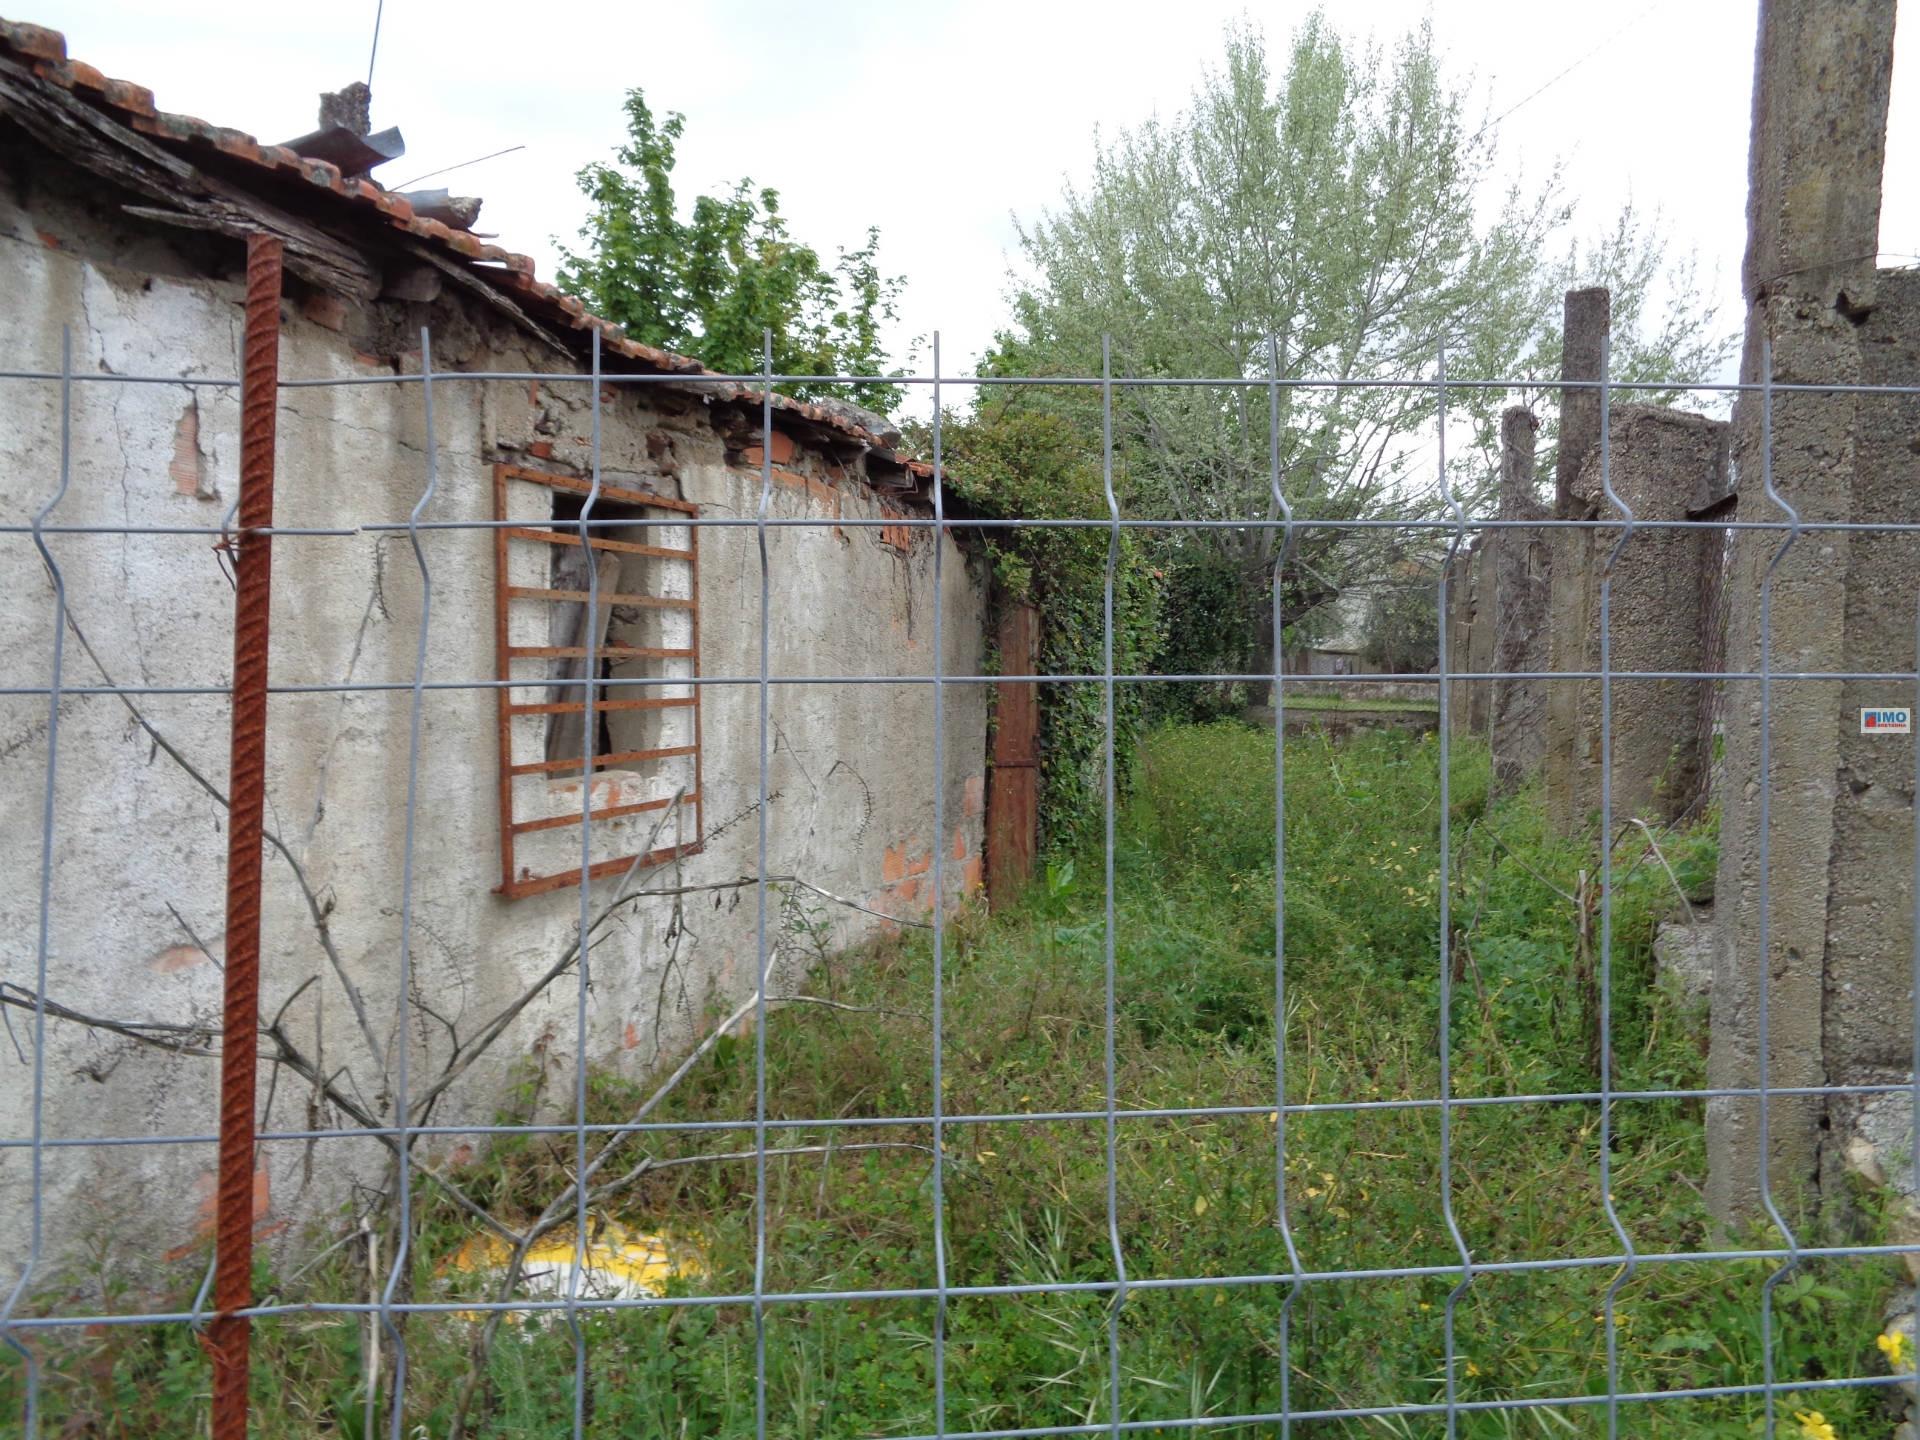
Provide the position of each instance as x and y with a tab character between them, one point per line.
1083	1297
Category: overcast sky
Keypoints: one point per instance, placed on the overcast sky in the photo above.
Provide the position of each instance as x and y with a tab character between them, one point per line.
941	123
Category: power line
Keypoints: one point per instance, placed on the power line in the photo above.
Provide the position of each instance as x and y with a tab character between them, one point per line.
379	10
448	169
1556	79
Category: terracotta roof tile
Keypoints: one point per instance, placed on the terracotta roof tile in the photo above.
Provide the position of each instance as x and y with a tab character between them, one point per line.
46	51
33	40
126	95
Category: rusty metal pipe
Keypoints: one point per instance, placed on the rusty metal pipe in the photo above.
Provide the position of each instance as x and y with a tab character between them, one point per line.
227	1334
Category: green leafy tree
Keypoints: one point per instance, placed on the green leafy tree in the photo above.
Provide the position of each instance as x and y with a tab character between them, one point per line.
1340	221
710	285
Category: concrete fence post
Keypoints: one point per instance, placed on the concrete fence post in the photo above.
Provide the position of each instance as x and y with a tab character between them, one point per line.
1831	871
1522	562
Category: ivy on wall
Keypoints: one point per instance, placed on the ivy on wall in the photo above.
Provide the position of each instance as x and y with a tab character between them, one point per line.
1014	459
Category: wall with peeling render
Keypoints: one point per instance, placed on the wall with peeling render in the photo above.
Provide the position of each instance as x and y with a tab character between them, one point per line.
139	847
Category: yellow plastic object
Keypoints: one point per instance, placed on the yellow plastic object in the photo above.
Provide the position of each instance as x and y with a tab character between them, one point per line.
619	1264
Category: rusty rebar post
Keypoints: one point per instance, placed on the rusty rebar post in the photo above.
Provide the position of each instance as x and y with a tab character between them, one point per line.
227	1334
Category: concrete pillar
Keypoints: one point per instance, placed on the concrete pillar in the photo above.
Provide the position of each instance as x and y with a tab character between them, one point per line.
1521	565
1586	321
1664	465
1839	846
1480	638
1469	635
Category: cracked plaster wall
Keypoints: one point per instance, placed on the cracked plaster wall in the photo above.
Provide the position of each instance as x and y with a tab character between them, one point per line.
139	849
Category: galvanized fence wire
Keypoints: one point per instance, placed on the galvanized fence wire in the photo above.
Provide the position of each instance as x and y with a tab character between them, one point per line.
396	1301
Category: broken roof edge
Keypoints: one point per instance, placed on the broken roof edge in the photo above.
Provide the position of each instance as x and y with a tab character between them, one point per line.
362	200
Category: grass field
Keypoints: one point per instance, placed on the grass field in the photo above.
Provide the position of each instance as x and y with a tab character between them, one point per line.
1026	1203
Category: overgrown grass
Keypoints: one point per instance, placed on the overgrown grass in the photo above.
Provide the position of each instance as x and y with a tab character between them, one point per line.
1025	998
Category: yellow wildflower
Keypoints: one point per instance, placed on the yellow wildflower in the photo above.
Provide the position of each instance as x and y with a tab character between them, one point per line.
1897	1346
1815	1426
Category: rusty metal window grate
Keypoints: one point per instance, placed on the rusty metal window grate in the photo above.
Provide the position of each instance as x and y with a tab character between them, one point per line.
644	631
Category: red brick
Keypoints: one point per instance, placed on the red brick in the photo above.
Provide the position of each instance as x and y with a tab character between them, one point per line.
893	865
959	842
973	799
329	312
970	873
175	958
206	1210
541	449
920	864
185	467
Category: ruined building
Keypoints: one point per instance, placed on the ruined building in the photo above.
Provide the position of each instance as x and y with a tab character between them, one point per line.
120	226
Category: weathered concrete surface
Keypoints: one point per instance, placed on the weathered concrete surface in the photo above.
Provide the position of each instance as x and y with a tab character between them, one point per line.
1867	1012
1586	322
1663	463
1816	158
1684	949
1469	631
852	781
1521	566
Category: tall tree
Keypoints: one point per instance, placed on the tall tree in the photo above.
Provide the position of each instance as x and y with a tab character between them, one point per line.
710	284
1340	222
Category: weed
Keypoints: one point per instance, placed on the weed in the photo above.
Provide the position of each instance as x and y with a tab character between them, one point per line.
1026	1202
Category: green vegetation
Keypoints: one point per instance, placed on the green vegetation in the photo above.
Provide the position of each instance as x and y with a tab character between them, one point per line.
1331	208
1026	1202
712	283
1015	457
